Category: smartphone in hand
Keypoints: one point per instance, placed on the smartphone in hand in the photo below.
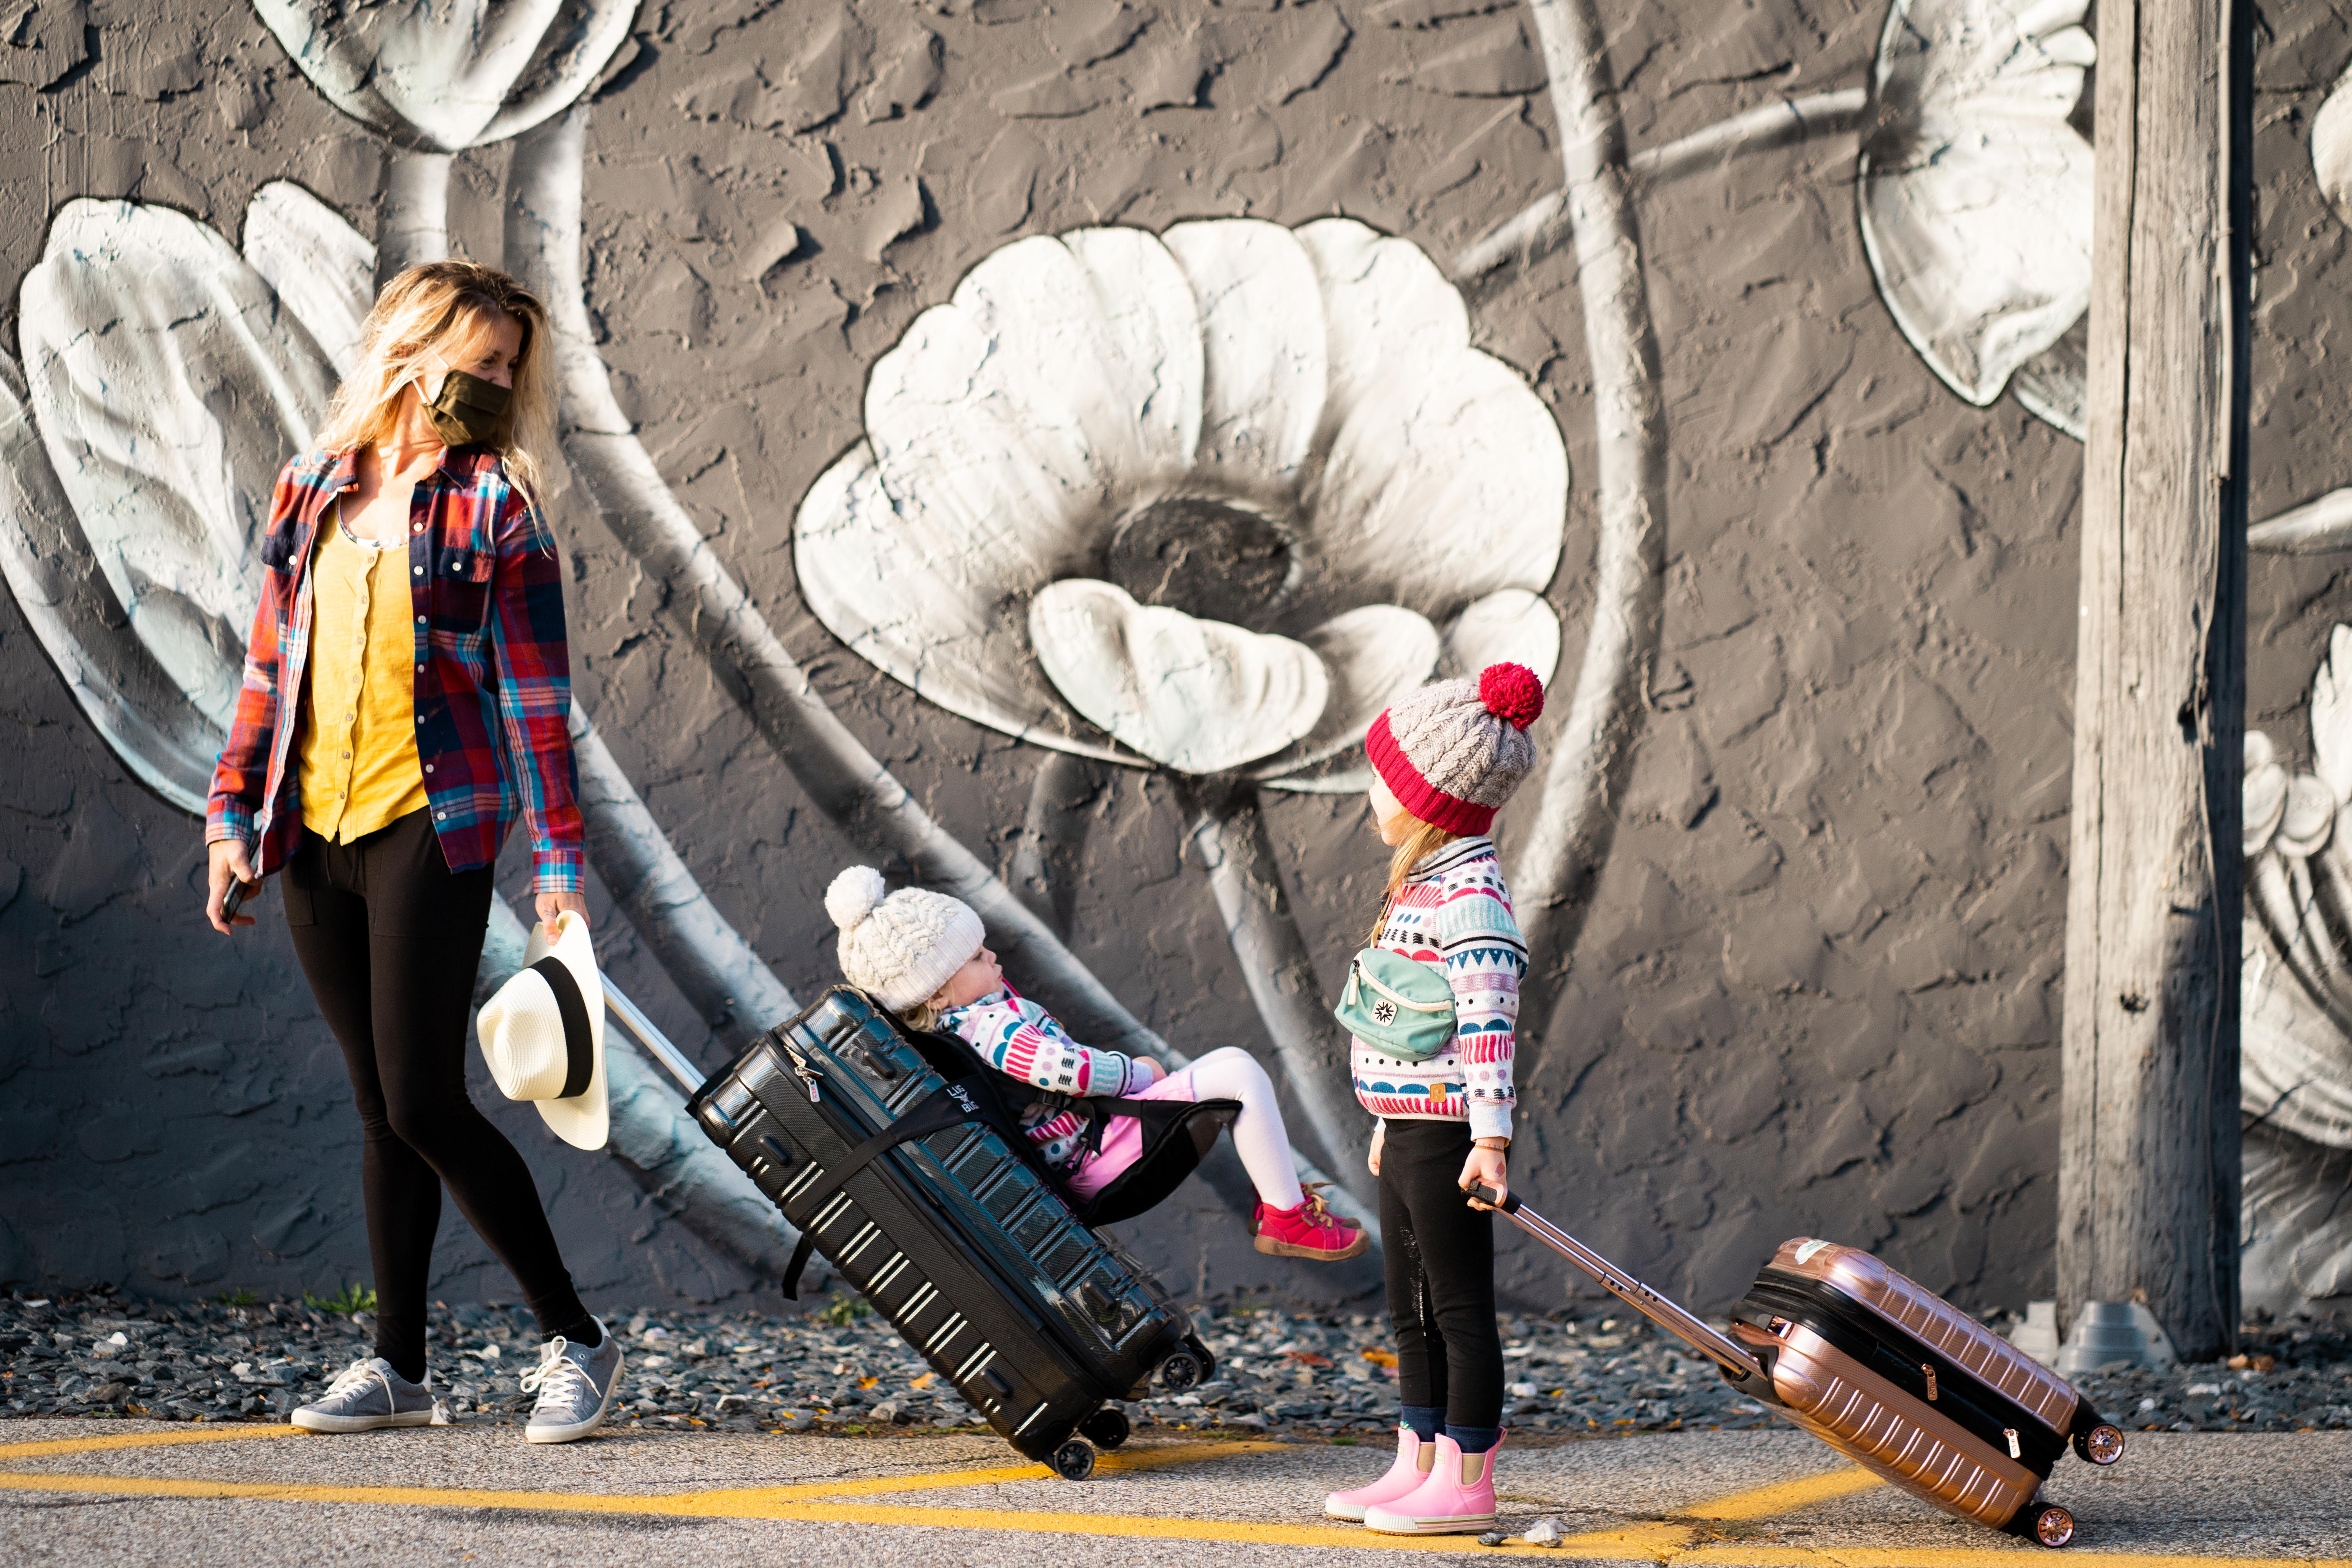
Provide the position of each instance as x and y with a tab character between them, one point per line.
237	893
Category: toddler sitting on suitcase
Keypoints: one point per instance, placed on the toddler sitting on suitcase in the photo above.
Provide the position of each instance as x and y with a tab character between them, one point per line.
921	954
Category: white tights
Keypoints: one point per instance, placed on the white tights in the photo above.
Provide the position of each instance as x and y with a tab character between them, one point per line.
1231	1073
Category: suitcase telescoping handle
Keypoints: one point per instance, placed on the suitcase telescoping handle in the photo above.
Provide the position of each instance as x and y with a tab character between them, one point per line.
1740	1366
673	1060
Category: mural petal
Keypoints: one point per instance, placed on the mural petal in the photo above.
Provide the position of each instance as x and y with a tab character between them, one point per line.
322	268
435	75
906	593
1443	487
2308	817
2054	385
1004	476
2263	793
1197	695
1373	655
1387	308
2331	716
1975	198
1100	339
2331	147
1265	364
1514	624
572	51
129	699
169	384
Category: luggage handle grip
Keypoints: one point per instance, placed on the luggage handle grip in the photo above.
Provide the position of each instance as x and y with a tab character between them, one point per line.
1726	1353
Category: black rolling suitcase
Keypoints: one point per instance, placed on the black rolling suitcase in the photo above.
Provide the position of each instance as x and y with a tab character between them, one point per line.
922	1193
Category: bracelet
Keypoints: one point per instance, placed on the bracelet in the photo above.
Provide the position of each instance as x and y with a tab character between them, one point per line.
1492	1145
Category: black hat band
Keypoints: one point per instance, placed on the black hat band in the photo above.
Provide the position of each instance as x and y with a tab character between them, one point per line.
573	1009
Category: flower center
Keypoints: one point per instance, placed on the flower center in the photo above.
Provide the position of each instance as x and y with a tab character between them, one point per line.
1217	559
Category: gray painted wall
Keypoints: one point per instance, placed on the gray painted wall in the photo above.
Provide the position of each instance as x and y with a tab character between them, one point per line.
1818	992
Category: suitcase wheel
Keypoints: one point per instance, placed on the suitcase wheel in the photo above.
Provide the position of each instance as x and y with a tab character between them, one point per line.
1180	1372
1075	1461
2053	1525
1107	1428
2102	1445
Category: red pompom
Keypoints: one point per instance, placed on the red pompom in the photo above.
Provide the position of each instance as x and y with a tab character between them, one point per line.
1511	692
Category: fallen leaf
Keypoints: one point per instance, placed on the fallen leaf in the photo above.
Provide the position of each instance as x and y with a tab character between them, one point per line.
1381	1357
867	1382
1308	1358
925	1381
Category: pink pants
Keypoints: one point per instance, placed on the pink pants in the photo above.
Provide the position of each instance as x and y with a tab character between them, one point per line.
1230	1073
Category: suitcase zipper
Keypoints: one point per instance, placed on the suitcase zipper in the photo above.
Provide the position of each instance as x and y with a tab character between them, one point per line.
1928	1367
805	1073
2014	1451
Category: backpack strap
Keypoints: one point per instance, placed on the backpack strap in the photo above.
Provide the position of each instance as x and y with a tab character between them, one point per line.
949	1105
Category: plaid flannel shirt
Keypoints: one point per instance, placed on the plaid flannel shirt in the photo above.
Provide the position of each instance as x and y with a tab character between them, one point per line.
493	670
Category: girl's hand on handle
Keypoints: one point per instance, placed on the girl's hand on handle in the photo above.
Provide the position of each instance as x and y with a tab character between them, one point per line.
1379	1136
549	906
230	862
1485	1166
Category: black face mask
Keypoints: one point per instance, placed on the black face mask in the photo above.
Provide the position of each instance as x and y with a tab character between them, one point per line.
471	412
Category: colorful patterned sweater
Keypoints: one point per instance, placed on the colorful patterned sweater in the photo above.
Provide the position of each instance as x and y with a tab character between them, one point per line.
1016	1035
1454	912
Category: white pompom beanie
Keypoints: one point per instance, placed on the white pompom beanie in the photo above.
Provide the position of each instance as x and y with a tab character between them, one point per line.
900	948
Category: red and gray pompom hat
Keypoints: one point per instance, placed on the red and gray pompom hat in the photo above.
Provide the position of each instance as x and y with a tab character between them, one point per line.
1453	750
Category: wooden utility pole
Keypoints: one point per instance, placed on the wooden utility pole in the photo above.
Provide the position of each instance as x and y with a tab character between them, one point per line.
2148	1173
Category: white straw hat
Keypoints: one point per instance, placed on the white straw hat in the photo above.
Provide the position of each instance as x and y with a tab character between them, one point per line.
544	1033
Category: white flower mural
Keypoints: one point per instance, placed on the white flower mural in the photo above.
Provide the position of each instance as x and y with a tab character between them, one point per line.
1205	500
441	76
1974	193
2295	1010
435	77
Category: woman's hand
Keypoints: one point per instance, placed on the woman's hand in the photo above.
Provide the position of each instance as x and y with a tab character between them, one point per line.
230	862
1379	1136
552	905
1484	1167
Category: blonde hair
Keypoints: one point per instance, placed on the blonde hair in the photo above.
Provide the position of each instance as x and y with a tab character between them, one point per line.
922	1017
1425	839
418	313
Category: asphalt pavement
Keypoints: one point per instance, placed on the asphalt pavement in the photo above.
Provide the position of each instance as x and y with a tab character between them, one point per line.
136	1493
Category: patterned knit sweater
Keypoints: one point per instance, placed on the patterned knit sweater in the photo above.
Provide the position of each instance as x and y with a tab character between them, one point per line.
1454	912
1016	1035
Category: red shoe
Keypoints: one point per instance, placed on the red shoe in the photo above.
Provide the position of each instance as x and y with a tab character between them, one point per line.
1309	1230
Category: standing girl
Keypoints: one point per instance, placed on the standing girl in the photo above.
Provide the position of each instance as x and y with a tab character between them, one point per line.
1444	759
406	695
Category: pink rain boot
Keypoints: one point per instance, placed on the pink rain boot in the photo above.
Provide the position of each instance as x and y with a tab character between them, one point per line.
1458	1497
1411	1467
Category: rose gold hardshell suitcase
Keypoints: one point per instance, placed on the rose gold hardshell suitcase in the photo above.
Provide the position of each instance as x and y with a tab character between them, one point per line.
1898	1380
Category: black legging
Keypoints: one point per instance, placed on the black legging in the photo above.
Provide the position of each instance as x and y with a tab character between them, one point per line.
1441	1275
389	938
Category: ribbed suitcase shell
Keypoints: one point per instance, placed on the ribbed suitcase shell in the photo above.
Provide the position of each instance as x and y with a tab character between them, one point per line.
1036	1320
1881	1412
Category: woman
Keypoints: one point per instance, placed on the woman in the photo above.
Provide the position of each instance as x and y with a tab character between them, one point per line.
407	692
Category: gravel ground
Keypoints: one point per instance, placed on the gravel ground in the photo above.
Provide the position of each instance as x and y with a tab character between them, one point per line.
106	1355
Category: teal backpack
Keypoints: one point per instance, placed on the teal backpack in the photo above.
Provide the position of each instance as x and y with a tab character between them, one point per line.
1399	1006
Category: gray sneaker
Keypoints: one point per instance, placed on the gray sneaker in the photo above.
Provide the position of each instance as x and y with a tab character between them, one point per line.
576	1386
365	1396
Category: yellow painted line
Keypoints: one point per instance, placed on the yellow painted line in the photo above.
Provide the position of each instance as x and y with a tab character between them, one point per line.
1785	1496
45	1450
1744	1555
1669	1544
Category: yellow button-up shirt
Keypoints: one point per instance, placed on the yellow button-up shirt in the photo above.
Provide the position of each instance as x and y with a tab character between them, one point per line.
360	768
